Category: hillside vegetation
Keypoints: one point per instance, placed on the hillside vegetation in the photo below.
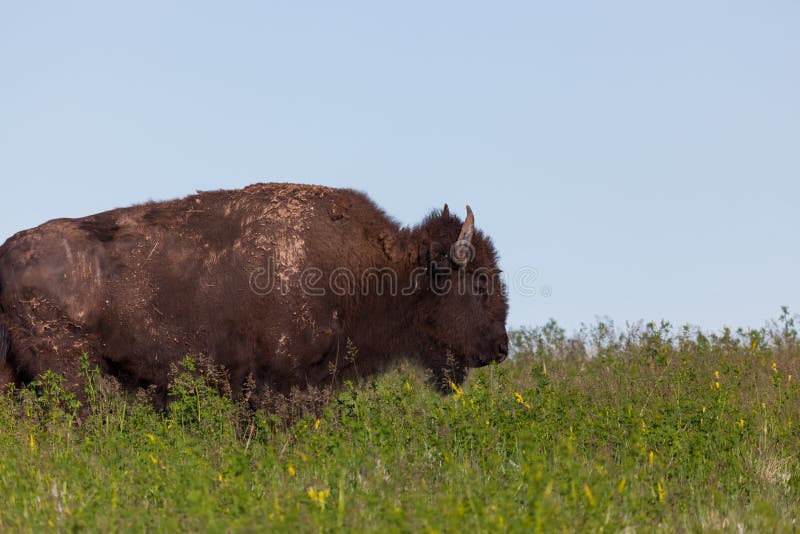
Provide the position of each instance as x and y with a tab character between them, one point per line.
652	427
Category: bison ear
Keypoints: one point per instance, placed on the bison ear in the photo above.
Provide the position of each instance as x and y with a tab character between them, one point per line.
437	251
438	263
446	211
431	252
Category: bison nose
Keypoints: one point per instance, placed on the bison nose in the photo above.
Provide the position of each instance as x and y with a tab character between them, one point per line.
502	351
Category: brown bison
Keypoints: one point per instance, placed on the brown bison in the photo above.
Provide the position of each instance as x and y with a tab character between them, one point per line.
272	282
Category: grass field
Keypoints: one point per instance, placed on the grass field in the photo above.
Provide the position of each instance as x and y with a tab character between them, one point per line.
652	427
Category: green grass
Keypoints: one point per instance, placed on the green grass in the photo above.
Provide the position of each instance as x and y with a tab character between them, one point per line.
652	428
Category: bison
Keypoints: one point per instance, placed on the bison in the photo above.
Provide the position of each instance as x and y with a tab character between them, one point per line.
273	282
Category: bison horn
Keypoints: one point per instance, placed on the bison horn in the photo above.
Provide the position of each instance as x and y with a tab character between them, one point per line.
462	249
446	211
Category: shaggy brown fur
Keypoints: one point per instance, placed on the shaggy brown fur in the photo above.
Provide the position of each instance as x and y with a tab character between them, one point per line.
138	288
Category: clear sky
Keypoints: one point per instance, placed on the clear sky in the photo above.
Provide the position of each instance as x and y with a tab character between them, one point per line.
643	157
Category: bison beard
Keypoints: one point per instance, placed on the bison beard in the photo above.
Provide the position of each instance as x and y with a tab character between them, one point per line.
138	288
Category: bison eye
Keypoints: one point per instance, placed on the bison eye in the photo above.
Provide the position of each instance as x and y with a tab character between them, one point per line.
481	287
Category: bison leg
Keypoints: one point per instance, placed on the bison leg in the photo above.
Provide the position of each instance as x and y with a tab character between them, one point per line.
6	376
39	346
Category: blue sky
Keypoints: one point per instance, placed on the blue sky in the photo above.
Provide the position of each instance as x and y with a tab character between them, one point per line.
644	157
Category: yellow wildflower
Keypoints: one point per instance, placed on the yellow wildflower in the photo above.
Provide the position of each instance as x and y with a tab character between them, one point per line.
652	459
291	470
600	469
716	374
318	496
774	367
716	385
589	495
661	493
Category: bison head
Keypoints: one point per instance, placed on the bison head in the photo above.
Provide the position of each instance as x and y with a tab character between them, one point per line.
463	307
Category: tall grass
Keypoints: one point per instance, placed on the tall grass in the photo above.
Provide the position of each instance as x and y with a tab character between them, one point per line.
649	427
